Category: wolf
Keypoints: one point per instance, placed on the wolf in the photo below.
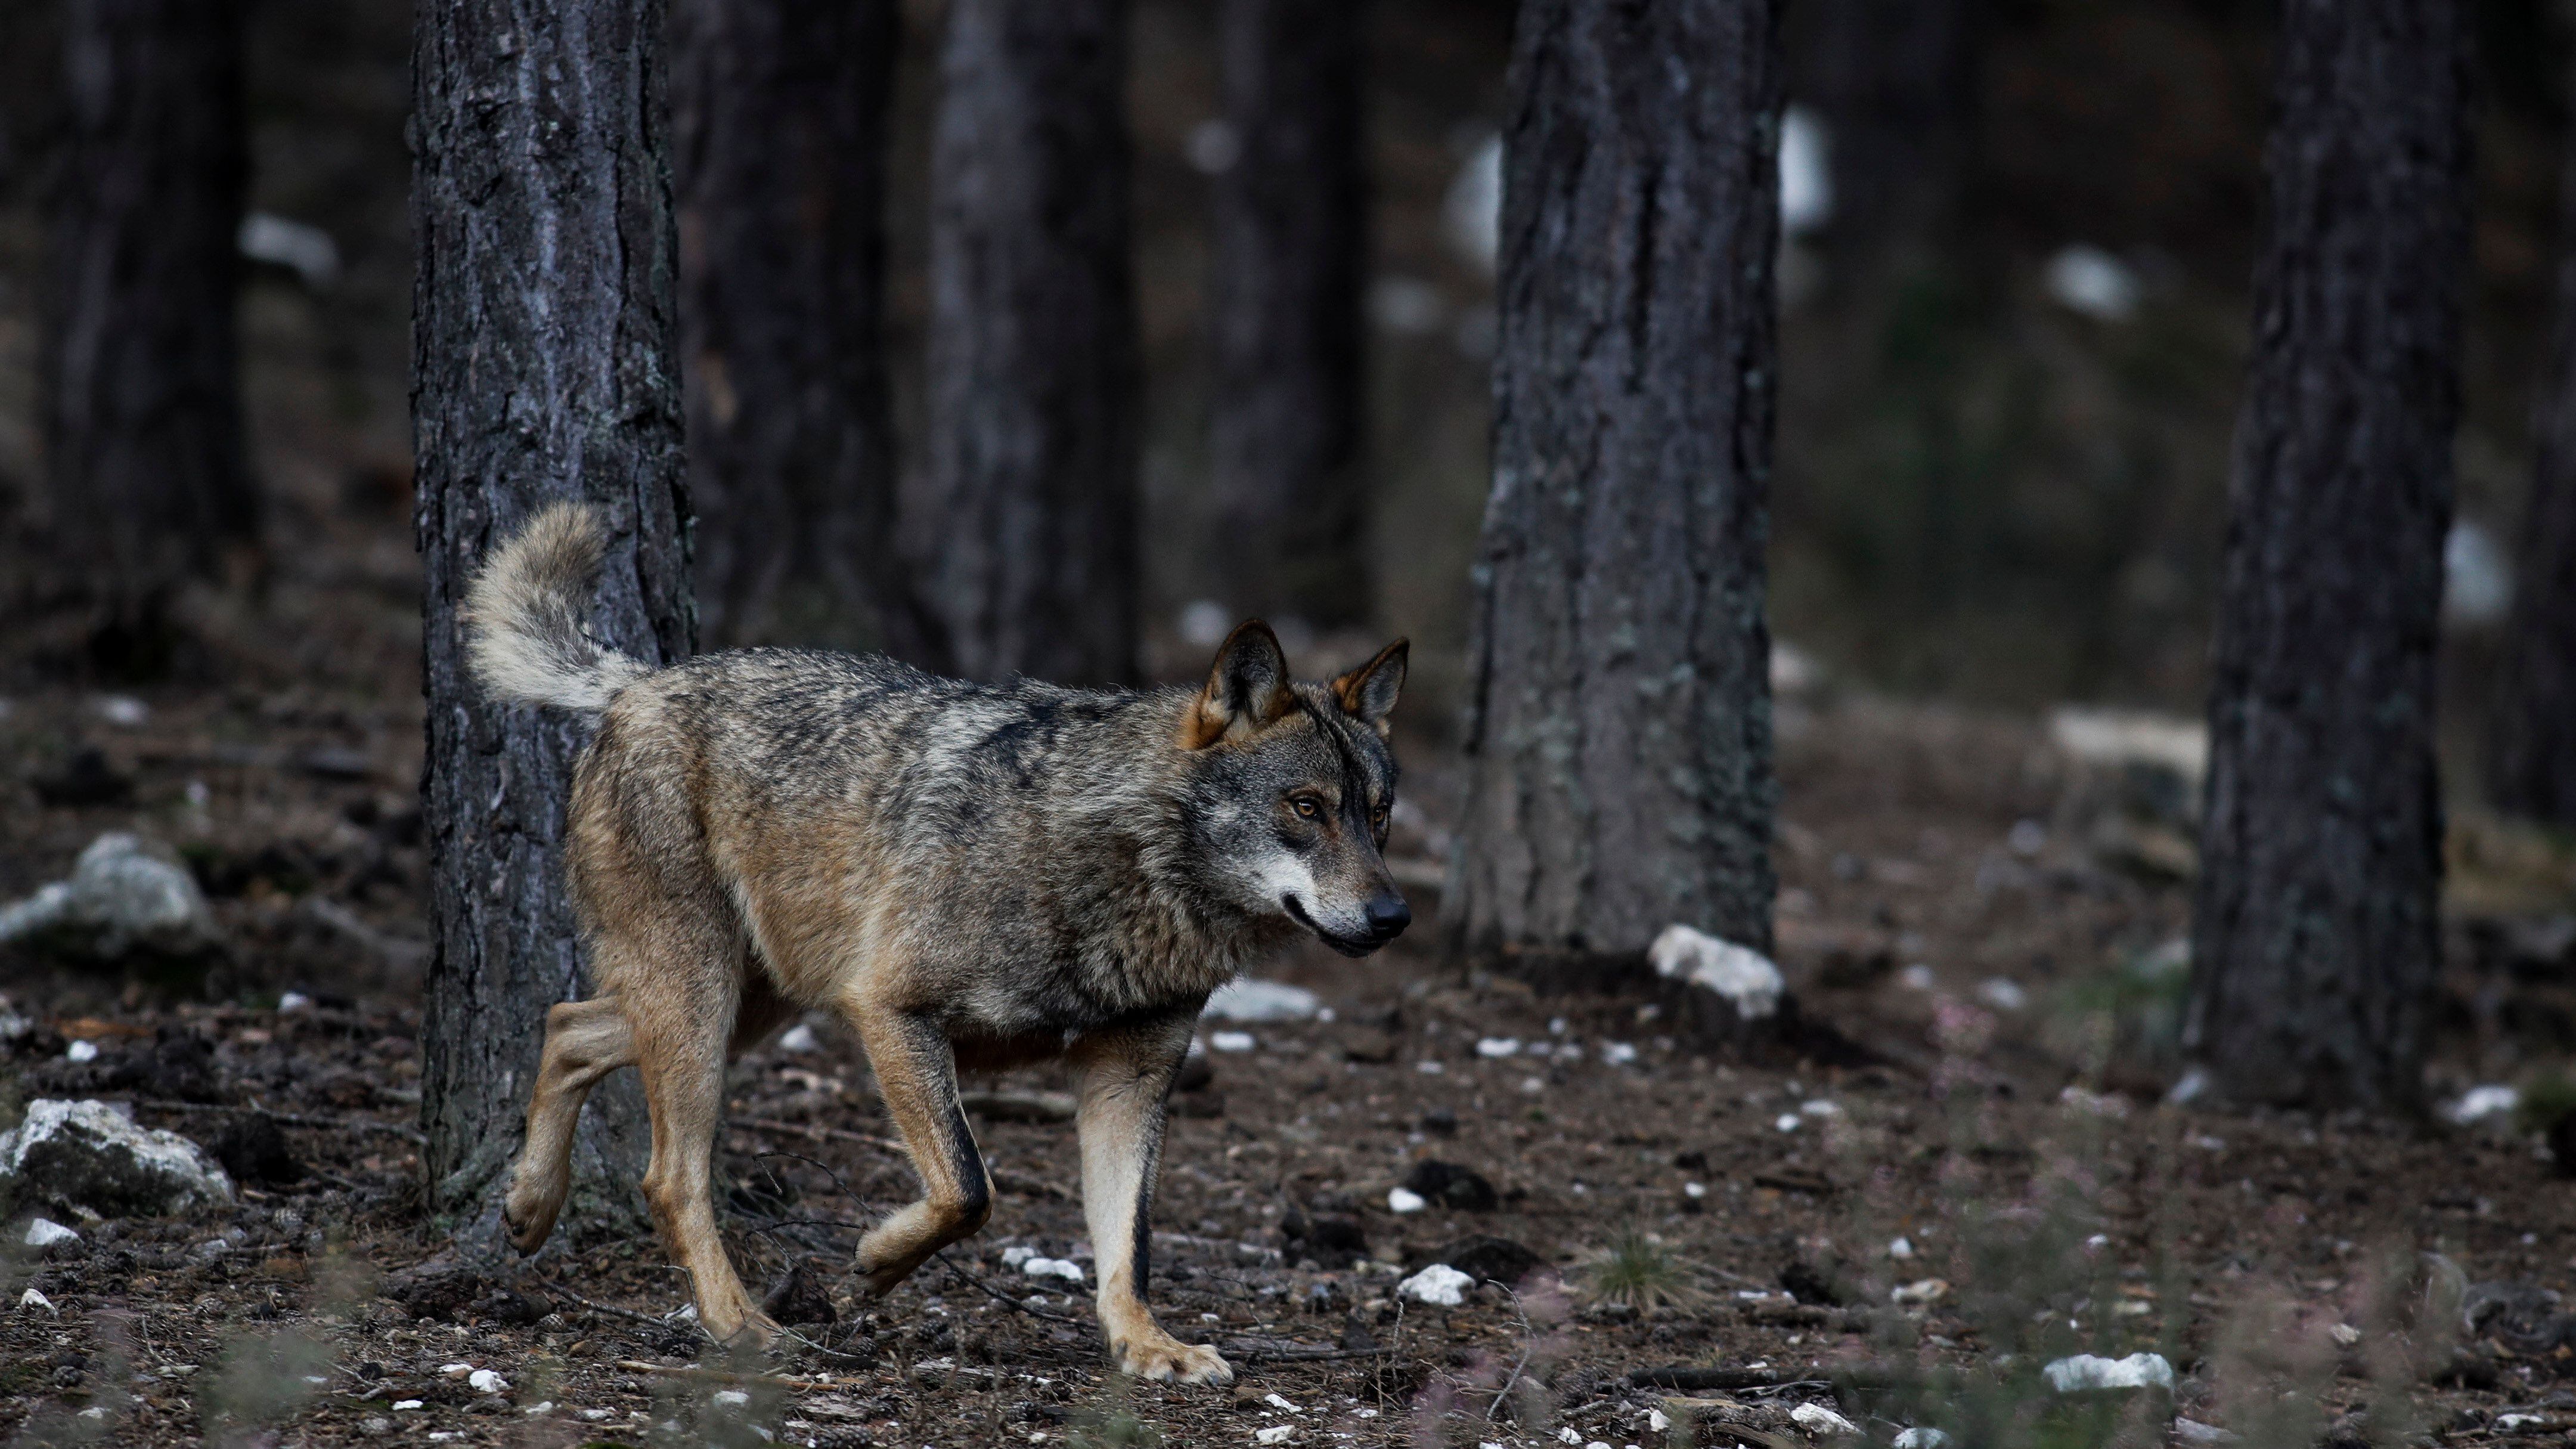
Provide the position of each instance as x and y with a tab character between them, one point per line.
972	876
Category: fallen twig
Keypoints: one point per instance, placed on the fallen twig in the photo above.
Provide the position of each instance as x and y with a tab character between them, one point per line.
611	1309
291	1119
728	1376
819	1133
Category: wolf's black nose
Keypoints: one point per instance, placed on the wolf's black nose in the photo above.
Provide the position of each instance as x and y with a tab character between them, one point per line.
1388	916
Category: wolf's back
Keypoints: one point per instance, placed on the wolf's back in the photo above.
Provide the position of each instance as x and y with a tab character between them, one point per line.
523	617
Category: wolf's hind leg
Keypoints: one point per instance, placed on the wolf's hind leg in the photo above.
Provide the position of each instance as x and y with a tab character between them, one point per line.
585	1041
917	1076
1125	1077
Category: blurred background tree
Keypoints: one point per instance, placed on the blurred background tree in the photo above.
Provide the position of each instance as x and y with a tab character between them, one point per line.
780	118
2316	935
148	481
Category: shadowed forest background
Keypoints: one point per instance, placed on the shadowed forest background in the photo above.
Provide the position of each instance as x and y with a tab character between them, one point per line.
1983	494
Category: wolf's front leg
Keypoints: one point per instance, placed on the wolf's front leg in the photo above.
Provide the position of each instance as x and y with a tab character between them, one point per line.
917	1075
1125	1076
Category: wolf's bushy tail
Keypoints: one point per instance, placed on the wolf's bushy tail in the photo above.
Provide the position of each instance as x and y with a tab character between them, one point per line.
523	617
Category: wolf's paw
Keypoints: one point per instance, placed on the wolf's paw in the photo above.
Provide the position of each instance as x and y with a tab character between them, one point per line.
1164	1358
527	1228
756	1330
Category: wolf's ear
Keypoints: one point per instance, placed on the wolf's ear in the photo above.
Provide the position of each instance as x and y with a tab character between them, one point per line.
1368	692
1247	688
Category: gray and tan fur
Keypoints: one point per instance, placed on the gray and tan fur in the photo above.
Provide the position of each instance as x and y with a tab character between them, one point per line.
972	876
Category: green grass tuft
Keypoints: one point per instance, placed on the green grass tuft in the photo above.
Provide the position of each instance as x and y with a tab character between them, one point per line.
1643	1273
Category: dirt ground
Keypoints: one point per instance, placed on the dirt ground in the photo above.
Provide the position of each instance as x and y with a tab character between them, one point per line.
1959	1162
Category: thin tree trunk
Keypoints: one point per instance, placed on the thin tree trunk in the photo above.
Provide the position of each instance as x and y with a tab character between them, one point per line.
2531	749
1289	409
1024	528
2316	935
779	109
544	367
142	394
1619	735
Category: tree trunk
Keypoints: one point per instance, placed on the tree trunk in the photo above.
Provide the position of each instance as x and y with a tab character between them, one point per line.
2531	742
1619	732
2316	935
544	367
1289	410
1896	82
779	108
142	395
1024	530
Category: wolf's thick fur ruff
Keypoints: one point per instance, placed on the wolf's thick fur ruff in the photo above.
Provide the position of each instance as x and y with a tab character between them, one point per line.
971	876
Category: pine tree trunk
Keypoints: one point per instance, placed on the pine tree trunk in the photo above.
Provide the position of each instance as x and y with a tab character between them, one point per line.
1024	528
1619	734
2531	743
142	395
544	367
779	110
1289	408
2316	936
1896	83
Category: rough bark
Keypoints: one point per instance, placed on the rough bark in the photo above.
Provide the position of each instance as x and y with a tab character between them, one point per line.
1619	733
2531	741
544	367
1023	528
1289	410
779	111
2316	935
142	399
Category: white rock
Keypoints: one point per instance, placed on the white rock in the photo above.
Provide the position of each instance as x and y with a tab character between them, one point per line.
1203	623
89	1153
1820	1107
799	1039
1817	1419
401	1405
1275	1434
121	710
1492	1047
45	1232
455	1370
2477	577
1064	1268
1017	1254
1231	1041
31	1299
1920	1439
2345	1334
2192	1431
732	1398
1439	1284
2003	993
1471	215
121	898
1429	1067
2188	1087
1404	1200
294	1001
1806	181
486	1381
1921	1290
2086	1371
2090	280
1900	1248
1276	1402
2495	1099
81	1051
301	247
1788	1122
1694	1190
2114	738
1746	978
1618	1053
1568	1436
1248	999
1658	1420
1917	977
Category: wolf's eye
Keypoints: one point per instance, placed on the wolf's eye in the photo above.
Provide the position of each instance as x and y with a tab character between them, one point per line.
1377	816
1306	806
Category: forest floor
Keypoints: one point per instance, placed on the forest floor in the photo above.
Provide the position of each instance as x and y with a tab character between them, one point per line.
1962	1166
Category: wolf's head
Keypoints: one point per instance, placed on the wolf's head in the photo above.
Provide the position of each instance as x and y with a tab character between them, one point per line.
1291	784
